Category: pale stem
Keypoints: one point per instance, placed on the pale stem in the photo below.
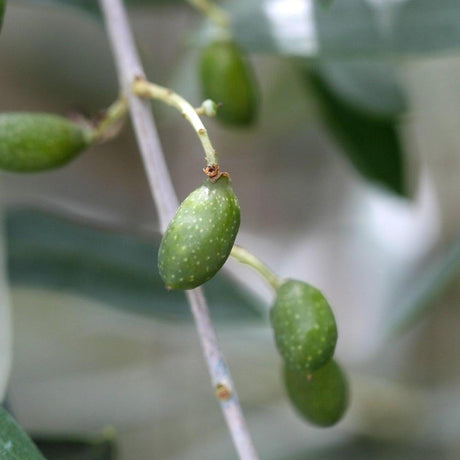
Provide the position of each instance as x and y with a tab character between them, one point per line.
145	88
213	12
113	116
129	68
245	257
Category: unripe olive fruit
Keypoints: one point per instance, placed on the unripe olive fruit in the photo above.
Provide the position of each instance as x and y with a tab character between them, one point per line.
321	397
227	78
37	141
200	236
304	326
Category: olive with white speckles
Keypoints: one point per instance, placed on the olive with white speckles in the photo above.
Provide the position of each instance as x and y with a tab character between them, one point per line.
32	142
304	326
200	236
227	78
321	397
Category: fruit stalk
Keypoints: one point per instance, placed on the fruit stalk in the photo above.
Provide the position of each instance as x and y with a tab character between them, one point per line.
129	66
245	257
112	118
143	88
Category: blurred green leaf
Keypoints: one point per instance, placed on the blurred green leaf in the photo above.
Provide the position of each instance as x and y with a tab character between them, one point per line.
2	12
364	124
14	442
371	86
325	3
417	296
117	269
347	27
76	449
344	28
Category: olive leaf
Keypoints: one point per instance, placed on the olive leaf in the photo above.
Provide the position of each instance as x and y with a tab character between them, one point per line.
364	124
2	12
347	28
119	270
325	3
371	86
351	28
14	442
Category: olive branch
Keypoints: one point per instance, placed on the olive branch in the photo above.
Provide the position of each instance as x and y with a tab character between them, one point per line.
129	70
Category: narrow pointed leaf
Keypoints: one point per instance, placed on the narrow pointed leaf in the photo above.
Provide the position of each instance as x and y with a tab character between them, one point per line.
2	12
14	442
119	270
347	28
366	129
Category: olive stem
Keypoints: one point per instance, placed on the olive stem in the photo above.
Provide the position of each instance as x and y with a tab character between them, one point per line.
144	88
245	257
129	67
106	128
214	13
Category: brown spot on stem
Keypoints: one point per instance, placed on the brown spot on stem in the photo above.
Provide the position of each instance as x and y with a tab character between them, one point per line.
223	392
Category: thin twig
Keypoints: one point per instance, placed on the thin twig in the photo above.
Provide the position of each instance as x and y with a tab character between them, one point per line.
245	257
129	67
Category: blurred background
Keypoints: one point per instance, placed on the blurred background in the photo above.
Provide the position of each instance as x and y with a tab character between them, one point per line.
348	180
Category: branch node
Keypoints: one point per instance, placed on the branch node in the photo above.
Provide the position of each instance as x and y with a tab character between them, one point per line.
223	392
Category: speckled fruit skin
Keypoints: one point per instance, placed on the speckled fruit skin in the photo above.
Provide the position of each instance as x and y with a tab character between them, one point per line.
227	78
200	237
320	397
304	326
37	141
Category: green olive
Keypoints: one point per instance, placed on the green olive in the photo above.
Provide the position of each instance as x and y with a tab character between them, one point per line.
227	79
32	142
304	326
321	397
200	236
